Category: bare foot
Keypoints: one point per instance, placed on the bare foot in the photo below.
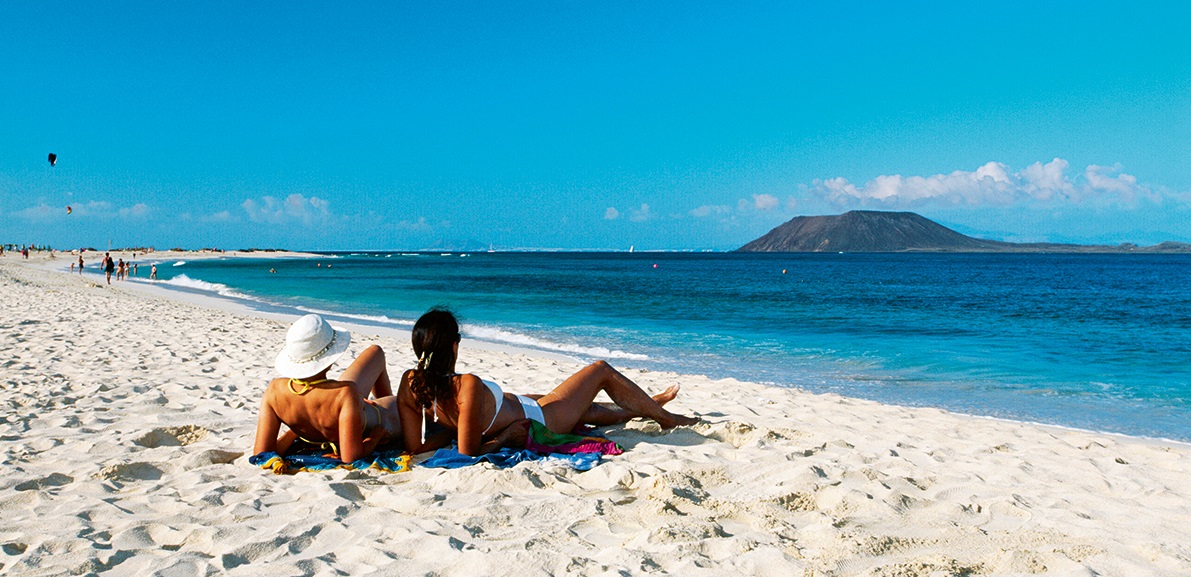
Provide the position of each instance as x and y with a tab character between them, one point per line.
675	420
666	396
671	420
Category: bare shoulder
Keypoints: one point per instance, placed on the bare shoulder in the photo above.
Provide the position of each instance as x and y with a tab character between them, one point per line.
274	386
403	385
468	382
344	390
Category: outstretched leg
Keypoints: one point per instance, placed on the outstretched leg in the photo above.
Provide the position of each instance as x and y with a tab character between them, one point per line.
369	373
569	402
604	414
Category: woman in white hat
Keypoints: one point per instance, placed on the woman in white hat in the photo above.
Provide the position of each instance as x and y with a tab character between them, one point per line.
333	413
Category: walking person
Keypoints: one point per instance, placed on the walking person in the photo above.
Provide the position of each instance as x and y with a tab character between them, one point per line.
109	266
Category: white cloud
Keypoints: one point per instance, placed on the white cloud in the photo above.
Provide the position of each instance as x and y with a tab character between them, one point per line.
40	212
611	214
137	210
1123	185
747	208
641	214
765	201
419	225
78	210
221	216
990	184
295	208
710	210
1044	181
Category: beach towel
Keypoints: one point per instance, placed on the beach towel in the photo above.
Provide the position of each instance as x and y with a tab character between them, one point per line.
580	451
581	440
507	457
313	459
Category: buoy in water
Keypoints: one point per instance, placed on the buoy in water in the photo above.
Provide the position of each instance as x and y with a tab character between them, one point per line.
655	265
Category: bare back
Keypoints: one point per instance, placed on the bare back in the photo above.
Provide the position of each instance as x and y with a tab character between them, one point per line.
315	415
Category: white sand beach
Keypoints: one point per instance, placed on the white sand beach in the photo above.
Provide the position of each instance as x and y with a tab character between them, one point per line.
127	417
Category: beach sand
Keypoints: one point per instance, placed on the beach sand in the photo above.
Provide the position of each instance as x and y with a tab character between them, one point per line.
127	416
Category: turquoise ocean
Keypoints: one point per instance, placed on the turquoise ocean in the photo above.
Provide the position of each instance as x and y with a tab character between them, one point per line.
1091	341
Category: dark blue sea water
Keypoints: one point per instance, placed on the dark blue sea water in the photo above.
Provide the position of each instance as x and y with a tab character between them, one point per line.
1099	342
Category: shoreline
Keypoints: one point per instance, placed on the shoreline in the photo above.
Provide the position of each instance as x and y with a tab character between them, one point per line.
128	414
239	303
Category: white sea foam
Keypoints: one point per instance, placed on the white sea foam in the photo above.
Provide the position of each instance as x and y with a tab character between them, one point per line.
180	263
489	334
503	336
380	319
186	282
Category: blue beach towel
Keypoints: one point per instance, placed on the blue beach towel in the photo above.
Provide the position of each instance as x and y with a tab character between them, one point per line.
506	457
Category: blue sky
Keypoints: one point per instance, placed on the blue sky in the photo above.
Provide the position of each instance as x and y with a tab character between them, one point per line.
682	125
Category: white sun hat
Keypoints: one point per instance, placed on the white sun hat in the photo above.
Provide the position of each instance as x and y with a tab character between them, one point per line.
311	345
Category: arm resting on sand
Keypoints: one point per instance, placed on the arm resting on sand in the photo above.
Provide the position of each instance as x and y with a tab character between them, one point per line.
440	438
512	436
411	423
285	441
267	426
469	399
351	446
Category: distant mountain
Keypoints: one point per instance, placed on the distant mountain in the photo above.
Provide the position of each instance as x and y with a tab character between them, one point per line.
877	231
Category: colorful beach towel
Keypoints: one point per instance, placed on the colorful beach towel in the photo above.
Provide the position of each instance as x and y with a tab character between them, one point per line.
390	460
543	440
580	451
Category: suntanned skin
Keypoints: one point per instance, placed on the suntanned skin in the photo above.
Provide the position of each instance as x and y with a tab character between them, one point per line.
333	411
567	405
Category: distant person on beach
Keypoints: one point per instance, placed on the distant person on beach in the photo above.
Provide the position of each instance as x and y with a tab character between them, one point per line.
481	417
120	270
109	266
336	415
153	273
80	264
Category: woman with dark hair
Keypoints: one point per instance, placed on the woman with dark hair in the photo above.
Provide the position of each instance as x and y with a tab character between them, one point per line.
478	414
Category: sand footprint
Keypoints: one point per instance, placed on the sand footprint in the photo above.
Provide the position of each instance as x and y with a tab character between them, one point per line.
172	436
130	472
47	482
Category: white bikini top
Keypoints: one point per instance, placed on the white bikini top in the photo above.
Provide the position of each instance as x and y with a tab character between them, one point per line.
497	394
